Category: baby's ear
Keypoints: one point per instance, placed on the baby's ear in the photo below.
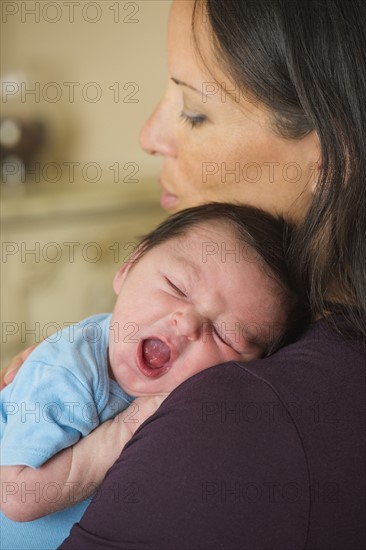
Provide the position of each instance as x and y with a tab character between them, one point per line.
123	271
120	276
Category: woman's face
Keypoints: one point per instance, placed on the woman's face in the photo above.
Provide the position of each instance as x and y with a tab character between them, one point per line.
217	142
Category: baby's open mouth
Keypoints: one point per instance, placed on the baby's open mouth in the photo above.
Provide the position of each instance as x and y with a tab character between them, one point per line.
155	353
154	357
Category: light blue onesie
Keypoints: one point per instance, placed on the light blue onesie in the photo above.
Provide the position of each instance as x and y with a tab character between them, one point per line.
61	393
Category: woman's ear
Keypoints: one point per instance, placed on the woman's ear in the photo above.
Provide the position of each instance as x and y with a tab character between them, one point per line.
123	271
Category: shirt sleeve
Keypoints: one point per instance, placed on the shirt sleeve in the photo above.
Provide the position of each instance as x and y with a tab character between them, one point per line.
46	409
212	469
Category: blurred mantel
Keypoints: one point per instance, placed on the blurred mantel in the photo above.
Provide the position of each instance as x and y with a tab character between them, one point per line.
61	245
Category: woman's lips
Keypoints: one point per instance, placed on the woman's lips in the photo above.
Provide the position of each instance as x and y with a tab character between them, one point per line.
150	367
167	199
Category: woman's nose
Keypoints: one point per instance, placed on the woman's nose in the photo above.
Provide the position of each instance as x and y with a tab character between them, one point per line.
188	323
157	136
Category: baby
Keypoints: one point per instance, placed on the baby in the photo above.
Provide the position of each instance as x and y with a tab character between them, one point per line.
209	285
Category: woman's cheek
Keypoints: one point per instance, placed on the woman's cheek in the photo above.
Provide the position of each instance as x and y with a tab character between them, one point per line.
198	165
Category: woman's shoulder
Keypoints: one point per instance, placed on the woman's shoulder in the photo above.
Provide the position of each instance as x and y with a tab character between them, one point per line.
315	385
321	356
296	417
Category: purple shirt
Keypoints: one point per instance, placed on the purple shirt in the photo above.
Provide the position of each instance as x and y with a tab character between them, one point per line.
266	455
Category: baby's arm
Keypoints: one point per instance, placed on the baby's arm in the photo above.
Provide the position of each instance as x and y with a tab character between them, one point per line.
29	493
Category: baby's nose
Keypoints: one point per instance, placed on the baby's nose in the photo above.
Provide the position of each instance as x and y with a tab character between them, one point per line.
188	323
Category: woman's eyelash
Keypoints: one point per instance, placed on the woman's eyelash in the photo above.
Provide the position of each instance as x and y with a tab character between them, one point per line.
194	121
177	289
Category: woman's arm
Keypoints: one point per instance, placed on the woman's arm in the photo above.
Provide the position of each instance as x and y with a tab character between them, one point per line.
68	474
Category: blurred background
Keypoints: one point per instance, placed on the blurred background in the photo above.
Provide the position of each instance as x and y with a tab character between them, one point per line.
78	79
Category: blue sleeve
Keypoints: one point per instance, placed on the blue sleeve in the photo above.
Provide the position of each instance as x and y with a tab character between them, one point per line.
46	409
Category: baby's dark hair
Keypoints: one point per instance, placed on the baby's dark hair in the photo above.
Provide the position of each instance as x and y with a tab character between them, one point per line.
267	236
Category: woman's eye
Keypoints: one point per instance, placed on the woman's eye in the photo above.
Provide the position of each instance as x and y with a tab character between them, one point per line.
175	288
193	120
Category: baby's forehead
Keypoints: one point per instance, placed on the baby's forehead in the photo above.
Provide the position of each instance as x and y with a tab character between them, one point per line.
215	231
219	241
210	256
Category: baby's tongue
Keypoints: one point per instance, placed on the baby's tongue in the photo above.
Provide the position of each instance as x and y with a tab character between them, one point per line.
156	353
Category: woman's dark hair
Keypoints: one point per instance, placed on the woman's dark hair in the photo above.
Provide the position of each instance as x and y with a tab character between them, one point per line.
268	237
306	61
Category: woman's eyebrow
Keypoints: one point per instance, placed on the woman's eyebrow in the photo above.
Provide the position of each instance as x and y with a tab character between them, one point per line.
181	83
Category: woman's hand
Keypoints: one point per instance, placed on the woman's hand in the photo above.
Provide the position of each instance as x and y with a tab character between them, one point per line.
7	375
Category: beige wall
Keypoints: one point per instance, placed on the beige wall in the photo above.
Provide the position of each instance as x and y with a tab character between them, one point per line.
125	45
121	49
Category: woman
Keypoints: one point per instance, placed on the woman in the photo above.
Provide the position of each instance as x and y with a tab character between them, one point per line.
269	454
